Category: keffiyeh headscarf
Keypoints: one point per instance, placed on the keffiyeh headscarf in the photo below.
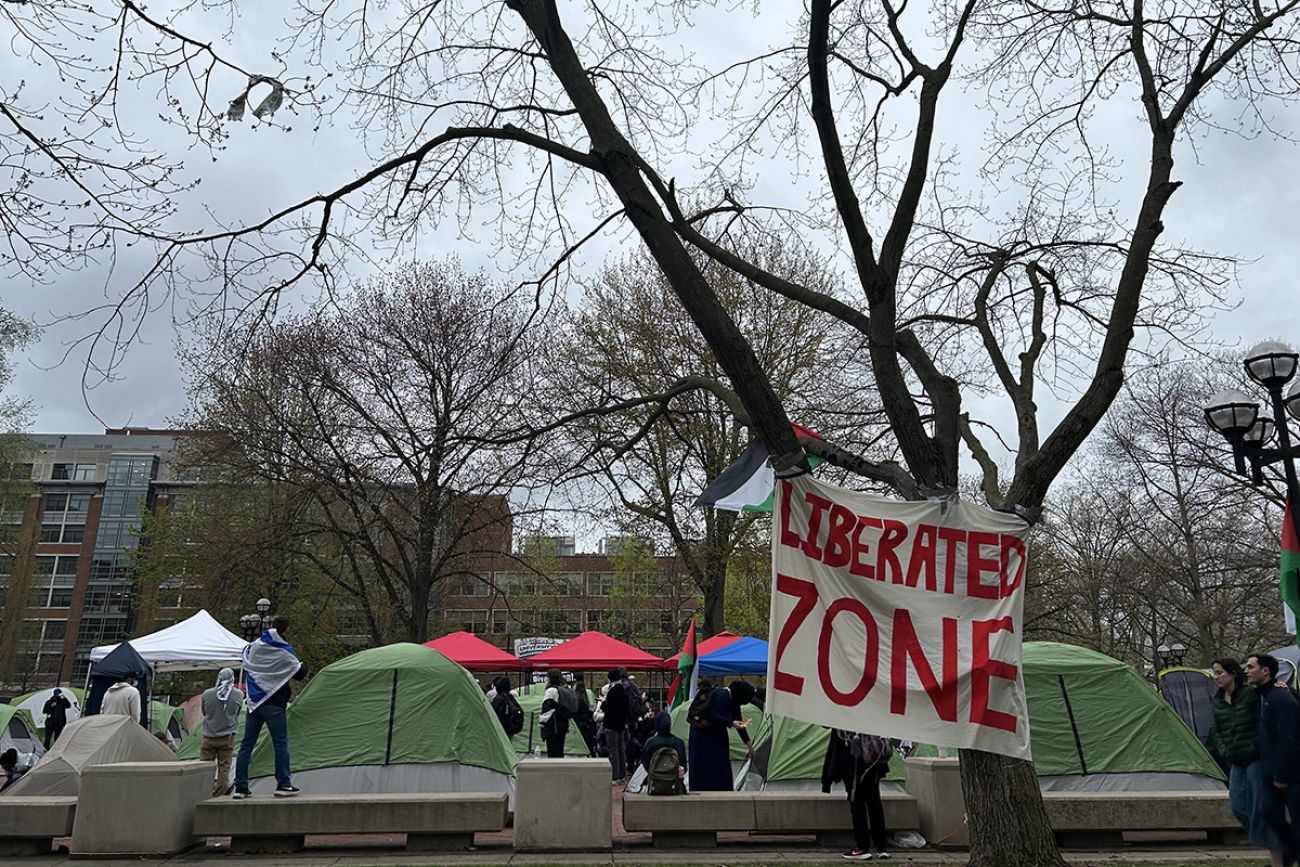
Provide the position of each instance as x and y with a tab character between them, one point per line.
225	683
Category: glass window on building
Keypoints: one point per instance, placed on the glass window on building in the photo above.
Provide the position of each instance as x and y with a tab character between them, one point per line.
500	621
600	583
470	621
84	473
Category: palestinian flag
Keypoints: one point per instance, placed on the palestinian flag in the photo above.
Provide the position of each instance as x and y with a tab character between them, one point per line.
1290	570
687	671
746	485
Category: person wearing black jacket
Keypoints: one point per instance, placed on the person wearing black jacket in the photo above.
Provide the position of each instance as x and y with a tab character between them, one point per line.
861	782
56	716
1277	742
615	708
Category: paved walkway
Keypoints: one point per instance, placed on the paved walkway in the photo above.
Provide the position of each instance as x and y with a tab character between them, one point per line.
355	852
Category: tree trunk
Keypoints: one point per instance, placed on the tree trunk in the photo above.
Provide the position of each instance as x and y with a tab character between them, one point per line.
715	597
1004	813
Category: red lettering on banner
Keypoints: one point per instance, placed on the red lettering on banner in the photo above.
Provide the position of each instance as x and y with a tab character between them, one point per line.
789	538
870	662
977	564
895	533
859	565
951	537
1010	584
906	646
806	593
819	505
838	547
923	558
983	669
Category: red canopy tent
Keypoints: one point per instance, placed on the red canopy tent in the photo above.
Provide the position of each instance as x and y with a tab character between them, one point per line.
708	645
595	651
474	653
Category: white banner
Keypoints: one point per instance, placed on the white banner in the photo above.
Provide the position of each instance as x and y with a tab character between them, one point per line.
900	619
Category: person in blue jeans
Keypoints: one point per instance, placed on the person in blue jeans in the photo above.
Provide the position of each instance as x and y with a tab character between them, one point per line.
269	665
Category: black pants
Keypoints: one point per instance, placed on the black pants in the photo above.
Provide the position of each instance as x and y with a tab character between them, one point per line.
52	734
1274	805
555	747
867	811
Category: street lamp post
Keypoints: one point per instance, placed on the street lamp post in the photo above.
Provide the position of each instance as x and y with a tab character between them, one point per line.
253	625
1237	416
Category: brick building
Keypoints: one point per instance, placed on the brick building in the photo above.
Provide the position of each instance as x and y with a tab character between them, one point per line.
67	554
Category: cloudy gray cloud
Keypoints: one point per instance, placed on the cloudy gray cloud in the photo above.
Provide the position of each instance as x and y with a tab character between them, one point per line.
1237	200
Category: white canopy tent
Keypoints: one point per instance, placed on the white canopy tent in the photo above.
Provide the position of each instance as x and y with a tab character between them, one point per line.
195	644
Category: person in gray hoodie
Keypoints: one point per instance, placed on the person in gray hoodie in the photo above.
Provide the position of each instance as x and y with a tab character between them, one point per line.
221	705
122	697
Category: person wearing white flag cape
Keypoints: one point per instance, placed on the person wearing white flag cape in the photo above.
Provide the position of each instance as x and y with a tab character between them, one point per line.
269	665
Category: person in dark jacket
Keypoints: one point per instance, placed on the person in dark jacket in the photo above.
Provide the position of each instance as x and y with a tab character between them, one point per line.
1278	744
585	718
506	707
555	717
663	738
56	716
710	750
615	708
844	764
1232	735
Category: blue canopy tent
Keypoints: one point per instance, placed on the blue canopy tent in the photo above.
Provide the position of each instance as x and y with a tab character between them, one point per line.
742	656
123	660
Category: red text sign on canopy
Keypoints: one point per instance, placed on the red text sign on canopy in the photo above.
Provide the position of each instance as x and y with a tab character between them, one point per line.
900	619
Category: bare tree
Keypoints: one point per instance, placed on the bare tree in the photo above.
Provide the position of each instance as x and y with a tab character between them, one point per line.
369	414
629	339
592	109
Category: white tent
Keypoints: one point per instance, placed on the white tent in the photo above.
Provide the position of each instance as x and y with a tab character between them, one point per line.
192	645
93	740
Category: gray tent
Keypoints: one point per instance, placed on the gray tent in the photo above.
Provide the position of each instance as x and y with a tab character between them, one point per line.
100	739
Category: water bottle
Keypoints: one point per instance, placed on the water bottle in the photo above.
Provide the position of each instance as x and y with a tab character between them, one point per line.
537	752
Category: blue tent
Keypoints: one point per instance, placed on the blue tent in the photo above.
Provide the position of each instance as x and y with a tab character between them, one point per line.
109	671
742	656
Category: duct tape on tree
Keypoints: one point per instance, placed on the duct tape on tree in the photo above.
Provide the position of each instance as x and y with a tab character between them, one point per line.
900	619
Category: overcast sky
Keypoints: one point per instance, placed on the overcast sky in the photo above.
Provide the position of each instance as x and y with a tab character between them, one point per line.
1240	199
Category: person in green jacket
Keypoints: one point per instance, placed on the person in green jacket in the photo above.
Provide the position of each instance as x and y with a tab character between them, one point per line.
1233	737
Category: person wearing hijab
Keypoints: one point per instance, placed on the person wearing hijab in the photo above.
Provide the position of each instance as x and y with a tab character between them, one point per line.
221	705
710	751
663	738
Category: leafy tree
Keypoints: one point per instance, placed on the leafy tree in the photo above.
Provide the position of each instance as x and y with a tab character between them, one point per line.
16	451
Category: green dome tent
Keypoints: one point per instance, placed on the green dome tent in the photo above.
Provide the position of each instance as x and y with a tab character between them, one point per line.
1095	725
401	718
165	718
16	732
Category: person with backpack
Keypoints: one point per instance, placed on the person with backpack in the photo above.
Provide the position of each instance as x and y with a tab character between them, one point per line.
664	758
860	762
712	715
559	704
507	708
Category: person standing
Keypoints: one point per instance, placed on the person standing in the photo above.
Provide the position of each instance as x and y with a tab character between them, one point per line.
860	762
269	665
122	697
615	708
507	708
1232	735
221	705
555	715
710	743
1278	744
585	718
55	710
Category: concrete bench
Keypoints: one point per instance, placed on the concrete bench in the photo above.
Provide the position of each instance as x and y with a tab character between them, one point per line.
28	826
430	821
1099	819
694	820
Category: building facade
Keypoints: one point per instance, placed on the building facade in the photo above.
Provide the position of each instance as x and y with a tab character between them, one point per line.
67	554
69	548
